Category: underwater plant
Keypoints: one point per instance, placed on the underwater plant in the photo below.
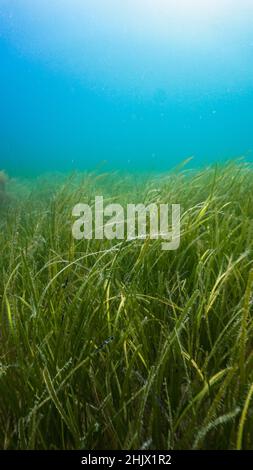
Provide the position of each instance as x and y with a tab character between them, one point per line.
3	181
119	345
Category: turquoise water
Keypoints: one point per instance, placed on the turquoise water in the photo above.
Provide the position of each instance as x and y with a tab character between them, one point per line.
136	85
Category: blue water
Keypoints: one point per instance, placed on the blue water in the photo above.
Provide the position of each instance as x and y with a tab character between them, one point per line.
133	85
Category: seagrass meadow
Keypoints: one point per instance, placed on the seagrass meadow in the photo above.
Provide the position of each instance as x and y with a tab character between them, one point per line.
118	344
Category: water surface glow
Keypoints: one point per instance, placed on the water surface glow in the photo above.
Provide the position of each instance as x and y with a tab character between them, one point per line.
140	84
